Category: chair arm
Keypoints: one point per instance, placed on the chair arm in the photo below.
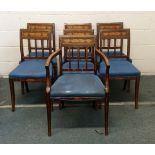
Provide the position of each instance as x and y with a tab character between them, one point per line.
103	57
106	61
53	55
47	65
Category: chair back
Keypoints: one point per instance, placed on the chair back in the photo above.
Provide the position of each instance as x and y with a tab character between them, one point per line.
78	32
34	44
115	43
104	26
78	44
84	26
44	26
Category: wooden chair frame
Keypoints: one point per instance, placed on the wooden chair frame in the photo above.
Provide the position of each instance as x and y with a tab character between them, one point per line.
76	42
28	35
45	27
114	35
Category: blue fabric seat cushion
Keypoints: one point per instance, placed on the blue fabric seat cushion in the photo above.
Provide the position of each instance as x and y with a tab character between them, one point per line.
39	54
78	85
121	68
30	69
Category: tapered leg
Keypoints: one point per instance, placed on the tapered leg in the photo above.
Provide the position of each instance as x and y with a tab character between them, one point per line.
26	86
55	72
12	91
22	88
125	83
128	86
106	111
137	91
49	114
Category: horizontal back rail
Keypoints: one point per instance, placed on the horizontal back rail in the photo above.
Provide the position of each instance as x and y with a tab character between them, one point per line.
78	26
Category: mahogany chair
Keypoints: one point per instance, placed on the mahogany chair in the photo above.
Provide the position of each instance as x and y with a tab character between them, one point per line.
51	28
77	81
31	69
115	44
76	32
111	26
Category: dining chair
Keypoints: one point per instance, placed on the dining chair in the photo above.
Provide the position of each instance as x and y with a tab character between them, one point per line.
77	81
51	28
112	26
115	44
31	69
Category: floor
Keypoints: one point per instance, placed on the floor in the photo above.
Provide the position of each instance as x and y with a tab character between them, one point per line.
79	123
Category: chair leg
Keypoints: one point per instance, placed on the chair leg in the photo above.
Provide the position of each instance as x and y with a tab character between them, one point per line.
128	86
22	88
106	111
125	83
12	91
48	105
137	91
27	87
55	72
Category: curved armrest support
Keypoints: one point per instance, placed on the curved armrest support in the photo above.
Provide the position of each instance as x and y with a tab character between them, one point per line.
47	65
106	61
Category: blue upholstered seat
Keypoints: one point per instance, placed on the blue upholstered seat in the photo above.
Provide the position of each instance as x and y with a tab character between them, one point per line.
78	85
30	69
46	54
122	68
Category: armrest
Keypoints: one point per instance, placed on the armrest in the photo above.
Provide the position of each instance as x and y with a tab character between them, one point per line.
103	57
53	55
106	61
47	65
